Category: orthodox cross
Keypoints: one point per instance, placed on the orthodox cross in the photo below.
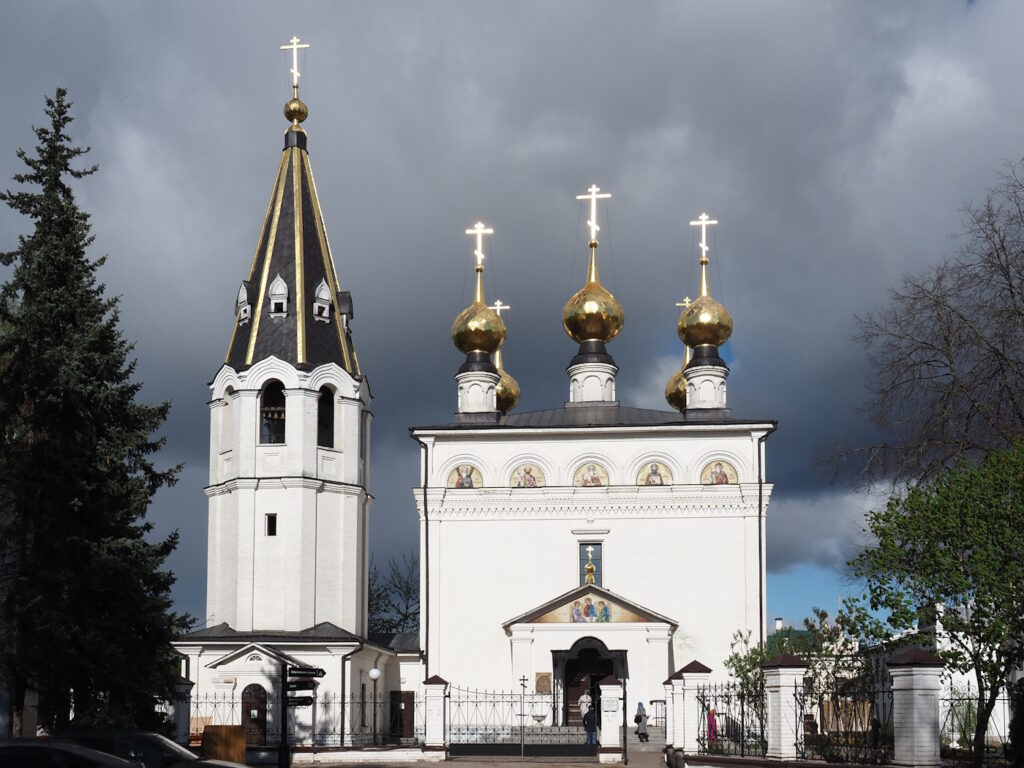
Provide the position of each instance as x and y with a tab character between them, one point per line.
498	306
294	48
593	197
589	568
703	222
480	230
685	303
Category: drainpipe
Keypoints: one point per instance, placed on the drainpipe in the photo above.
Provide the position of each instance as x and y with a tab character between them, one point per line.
425	605
760	533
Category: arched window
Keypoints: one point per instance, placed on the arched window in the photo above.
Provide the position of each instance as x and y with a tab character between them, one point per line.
325	418
272	413
227	421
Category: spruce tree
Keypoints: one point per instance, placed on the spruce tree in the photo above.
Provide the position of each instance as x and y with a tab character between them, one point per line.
85	607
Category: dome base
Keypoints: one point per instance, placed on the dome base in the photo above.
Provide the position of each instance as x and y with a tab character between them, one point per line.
592	382
705	386
478	390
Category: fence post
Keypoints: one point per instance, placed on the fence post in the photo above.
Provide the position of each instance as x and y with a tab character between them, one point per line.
433	713
783	676
611	720
916	690
669	717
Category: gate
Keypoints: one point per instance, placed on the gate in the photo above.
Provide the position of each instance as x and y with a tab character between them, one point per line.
254	714
510	723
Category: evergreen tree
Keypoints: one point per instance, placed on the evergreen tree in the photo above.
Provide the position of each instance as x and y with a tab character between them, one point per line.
85	607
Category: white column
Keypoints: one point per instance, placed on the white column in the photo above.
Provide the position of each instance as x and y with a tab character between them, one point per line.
180	710
433	702
782	677
611	721
916	689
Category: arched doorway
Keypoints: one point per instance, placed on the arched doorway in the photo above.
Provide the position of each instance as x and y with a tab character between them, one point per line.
254	714
583	666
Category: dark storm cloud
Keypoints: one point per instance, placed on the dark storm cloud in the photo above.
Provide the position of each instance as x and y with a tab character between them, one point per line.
834	141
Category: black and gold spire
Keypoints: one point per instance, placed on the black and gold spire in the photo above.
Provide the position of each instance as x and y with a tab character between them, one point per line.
291	306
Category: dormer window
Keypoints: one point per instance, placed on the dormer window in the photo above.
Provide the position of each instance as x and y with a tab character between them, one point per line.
322	303
243	306
278	294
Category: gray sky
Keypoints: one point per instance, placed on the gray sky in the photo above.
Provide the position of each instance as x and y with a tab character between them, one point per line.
835	142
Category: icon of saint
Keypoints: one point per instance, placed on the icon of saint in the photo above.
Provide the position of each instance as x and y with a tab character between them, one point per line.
603	614
591	479
654	477
465	477
577	614
718	475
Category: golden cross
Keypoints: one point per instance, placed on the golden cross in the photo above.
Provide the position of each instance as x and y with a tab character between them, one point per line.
590	551
684	303
479	230
294	48
593	197
703	222
497	306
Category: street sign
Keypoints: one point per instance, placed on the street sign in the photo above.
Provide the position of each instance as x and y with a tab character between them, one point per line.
306	672
300	701
302	685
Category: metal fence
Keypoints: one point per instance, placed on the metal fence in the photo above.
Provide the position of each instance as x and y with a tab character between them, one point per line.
958	709
731	720
845	720
506	717
331	721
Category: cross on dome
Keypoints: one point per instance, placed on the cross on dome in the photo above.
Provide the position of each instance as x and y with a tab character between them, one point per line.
479	229
294	47
498	305
685	302
593	196
703	222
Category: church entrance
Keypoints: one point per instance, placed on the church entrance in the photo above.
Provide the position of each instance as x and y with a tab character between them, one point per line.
578	672
254	714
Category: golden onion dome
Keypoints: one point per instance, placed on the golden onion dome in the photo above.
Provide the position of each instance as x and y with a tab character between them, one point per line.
593	313
295	110
675	390
705	321
478	328
507	390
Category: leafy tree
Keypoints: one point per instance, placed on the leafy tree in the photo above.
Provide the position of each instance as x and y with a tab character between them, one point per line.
955	547
85	601
394	599
946	355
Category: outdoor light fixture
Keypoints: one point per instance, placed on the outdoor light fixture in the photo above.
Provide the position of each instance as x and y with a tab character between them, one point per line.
375	676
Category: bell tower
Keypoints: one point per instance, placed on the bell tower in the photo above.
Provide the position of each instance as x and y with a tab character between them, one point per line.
290	426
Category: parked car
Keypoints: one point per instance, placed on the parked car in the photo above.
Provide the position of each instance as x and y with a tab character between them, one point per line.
48	753
150	749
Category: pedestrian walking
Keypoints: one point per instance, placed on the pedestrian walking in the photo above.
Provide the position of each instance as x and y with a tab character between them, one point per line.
640	718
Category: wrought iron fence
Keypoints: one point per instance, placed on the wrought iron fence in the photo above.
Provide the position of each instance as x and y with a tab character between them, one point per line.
331	721
507	717
731	720
657	713
959	717
846	720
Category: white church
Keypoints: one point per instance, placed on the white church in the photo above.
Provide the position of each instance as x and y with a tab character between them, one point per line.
645	529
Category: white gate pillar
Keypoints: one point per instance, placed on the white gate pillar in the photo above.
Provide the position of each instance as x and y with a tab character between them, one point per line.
694	677
433	711
783	676
916	689
669	716
610	750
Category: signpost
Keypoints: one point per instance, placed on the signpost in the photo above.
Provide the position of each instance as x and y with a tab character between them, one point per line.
306	682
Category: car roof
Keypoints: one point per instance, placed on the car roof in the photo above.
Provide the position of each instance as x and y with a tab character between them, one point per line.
102	758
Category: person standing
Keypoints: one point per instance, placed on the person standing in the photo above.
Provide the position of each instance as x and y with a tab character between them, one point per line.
590	726
585	703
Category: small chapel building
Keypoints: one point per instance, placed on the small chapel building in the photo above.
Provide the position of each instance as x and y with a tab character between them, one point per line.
564	545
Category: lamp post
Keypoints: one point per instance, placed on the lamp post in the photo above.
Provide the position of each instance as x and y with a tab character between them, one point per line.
375	676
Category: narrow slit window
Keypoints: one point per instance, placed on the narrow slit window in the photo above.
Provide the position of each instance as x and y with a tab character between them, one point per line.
325	418
272	525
